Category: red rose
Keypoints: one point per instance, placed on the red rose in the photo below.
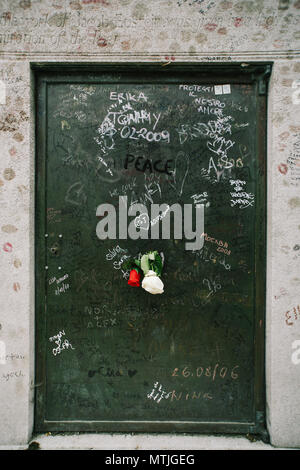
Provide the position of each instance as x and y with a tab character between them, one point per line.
134	278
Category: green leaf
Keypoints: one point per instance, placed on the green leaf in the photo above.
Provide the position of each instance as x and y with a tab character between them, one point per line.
145	264
158	264
129	264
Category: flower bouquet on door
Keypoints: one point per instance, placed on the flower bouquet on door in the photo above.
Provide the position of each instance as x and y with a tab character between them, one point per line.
148	268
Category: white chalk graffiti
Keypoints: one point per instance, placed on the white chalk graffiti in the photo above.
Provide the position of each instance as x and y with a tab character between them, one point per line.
200	199
239	196
60	345
142	221
181	160
124	188
157	393
61	286
108	170
160	216
213	285
114	252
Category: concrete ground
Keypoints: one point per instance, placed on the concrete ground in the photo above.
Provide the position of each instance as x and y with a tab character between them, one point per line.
141	442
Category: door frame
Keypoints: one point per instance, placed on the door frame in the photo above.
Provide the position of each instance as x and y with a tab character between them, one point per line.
216	73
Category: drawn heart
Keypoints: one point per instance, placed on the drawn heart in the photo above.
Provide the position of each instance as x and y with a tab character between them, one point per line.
215	145
142	221
181	162
131	373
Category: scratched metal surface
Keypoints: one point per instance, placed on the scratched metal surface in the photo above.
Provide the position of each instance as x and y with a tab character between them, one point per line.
108	352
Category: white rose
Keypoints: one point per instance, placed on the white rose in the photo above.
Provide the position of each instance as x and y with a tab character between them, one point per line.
152	283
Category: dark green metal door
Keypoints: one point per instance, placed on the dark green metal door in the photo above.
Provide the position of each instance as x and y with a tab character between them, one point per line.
110	357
